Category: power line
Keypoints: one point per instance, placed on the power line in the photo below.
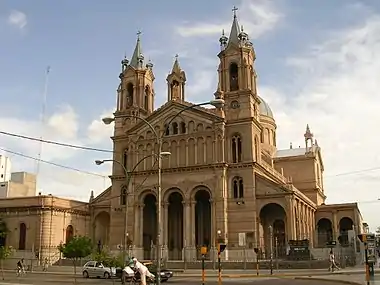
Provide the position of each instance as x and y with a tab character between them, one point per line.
55	143
53	163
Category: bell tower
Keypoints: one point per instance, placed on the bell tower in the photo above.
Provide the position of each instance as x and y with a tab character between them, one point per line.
135	94
176	82
237	75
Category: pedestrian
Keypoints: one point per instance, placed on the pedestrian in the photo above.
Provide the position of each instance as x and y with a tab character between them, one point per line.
332	262
144	272
46	264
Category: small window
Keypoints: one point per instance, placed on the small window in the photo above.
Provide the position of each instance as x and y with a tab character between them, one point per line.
175	128
238	188
166	130
2	175
183	128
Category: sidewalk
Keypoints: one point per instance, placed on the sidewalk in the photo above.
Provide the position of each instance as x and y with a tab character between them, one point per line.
356	279
68	270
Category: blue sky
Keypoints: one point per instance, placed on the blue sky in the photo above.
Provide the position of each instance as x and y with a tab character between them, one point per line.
317	63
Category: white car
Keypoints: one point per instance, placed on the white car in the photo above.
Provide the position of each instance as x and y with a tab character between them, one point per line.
96	269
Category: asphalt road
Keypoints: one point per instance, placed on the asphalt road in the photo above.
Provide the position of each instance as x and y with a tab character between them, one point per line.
45	279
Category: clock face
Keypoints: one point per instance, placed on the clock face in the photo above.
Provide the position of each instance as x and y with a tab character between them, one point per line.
235	104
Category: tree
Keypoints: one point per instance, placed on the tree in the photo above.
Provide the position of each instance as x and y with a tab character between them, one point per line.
5	252
108	259
77	248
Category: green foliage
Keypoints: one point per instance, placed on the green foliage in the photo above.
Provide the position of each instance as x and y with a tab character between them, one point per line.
78	247
5	252
107	259
3	229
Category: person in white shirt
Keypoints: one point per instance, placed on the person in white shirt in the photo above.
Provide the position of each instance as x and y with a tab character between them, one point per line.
332	262
144	272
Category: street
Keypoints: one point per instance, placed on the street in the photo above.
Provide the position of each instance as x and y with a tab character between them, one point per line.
45	279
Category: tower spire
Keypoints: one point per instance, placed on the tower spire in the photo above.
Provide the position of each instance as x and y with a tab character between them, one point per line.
137	57
235	29
176	82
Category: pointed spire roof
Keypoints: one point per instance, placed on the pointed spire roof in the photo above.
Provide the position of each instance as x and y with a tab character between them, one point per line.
176	67
137	53
235	29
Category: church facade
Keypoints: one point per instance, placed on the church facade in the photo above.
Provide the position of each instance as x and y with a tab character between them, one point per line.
224	178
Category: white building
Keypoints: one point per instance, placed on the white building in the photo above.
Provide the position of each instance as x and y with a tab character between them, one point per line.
5	168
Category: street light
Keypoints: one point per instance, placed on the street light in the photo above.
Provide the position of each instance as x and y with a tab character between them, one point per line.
127	181
217	103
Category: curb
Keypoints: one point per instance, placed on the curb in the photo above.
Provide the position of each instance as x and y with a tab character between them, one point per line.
328	280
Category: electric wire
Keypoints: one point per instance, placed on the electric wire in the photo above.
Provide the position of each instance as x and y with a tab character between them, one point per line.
55	142
52	163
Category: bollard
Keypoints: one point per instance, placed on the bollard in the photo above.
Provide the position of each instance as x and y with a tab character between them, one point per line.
219	267
203	252
257	260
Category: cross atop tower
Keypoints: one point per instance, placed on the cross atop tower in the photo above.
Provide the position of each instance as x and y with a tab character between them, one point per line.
234	9
138	34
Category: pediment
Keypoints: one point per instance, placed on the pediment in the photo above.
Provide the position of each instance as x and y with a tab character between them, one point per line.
168	111
104	197
264	186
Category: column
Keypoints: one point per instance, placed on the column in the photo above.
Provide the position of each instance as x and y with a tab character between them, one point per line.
164	238
335	226
136	231
141	216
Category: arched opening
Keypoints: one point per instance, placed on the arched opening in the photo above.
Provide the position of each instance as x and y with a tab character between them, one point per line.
262	137
175	226
146	97
69	233
129	94
234	81
123	195
175	128
175	90
202	219
345	224
149	225
102	225
236	149
166	130
183	128
125	158
3	233
22	237
238	187
272	226
324	232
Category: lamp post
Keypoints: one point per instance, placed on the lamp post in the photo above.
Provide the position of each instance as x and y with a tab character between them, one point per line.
127	181
218	103
271	248
219	236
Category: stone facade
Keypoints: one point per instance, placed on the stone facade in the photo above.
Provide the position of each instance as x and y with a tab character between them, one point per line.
224	173
225	178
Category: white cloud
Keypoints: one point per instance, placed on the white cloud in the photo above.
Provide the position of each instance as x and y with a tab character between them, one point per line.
98	132
17	19
258	17
339	98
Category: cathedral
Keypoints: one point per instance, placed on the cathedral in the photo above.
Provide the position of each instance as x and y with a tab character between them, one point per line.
224	178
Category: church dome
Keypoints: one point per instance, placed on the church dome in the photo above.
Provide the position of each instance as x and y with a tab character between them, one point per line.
265	110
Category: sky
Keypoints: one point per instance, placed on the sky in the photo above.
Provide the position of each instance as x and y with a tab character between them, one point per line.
317	64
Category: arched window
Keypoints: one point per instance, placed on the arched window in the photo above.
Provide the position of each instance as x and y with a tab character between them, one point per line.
175	128
236	148
125	158
238	187
183	128
69	233
146	98
274	137
123	195
22	237
262	136
166	129
129	94
234	80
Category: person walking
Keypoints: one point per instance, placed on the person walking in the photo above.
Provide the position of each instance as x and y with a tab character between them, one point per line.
332	262
143	270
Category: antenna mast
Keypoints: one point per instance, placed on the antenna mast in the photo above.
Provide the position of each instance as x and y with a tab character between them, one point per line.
43	119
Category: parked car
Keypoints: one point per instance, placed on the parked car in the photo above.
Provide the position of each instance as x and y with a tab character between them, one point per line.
96	269
165	273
